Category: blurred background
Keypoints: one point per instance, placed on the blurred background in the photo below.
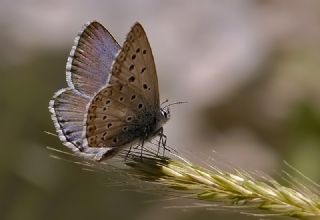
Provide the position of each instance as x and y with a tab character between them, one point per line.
249	70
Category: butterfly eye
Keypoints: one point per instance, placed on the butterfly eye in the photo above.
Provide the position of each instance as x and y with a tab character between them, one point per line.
104	117
131	67
140	106
138	50
133	57
129	118
109	125
133	97
145	86
121	99
144	51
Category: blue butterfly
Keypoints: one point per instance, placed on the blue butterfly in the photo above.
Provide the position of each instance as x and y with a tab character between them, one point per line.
112	98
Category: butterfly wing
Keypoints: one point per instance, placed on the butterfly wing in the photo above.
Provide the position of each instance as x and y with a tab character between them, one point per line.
87	70
90	59
115	114
135	67
67	111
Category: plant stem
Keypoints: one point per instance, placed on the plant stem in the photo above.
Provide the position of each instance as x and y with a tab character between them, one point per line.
238	189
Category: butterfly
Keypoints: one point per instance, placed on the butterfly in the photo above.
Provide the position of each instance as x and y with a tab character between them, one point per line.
112	98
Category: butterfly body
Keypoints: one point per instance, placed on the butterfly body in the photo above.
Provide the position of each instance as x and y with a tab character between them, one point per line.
113	98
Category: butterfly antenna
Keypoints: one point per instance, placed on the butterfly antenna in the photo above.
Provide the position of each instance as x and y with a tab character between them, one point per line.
165	101
175	103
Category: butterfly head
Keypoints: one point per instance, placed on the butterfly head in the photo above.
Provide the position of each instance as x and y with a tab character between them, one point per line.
165	113
165	110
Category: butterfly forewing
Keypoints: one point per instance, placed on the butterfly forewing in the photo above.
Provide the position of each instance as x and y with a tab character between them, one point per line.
117	114
90	59
134	66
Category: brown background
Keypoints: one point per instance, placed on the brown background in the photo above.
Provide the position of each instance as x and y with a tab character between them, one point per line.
249	70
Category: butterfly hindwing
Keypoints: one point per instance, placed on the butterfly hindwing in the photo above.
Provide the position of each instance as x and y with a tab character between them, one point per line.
113	117
68	107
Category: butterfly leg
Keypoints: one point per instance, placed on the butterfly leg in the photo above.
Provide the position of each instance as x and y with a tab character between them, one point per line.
141	151
159	143
162	141
126	157
141	147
